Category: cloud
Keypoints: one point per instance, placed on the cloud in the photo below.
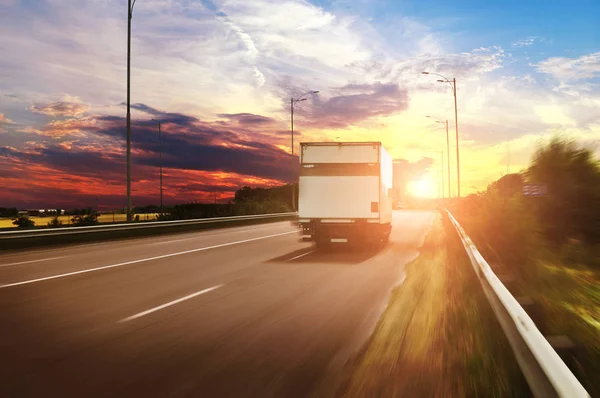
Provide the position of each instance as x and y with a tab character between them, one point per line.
71	178
60	109
188	144
69	127
466	65
247	118
5	120
565	69
245	38
524	42
357	102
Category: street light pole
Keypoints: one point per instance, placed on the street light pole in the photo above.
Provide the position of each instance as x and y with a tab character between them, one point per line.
447	151
160	145
129	16
453	84
293	101
161	167
293	162
457	146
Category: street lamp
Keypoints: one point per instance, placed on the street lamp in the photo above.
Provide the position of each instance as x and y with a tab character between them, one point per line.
447	150
453	84
293	101
129	16
161	166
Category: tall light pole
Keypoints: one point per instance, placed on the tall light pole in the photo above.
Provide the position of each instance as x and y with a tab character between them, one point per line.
447	151
129	16
453	84
161	166
293	101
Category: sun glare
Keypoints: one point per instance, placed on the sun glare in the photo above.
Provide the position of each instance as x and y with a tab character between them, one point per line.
422	188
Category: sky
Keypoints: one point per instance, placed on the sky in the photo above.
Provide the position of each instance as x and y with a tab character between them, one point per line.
219	76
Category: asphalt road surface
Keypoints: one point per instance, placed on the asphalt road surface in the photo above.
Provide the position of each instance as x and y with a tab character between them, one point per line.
237	312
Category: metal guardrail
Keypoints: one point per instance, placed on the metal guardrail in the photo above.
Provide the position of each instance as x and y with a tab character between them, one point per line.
38	233
544	370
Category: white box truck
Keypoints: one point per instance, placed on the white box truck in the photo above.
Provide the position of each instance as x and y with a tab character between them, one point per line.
345	192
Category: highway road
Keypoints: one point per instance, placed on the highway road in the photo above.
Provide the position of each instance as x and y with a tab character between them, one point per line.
245	311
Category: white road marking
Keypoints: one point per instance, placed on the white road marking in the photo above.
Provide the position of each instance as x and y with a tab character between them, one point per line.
301	255
160	307
31	261
202	236
142	260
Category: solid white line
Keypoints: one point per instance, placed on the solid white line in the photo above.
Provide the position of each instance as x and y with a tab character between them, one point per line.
142	260
301	255
160	307
31	261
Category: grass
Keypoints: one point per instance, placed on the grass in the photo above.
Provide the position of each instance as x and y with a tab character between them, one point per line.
570	301
562	279
103	218
438	337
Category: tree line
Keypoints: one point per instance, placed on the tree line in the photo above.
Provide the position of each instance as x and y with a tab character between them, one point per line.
246	201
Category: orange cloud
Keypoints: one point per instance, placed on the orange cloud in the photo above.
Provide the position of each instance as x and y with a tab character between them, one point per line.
5	120
60	108
69	127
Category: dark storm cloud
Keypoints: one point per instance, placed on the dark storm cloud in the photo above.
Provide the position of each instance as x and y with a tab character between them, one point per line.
83	163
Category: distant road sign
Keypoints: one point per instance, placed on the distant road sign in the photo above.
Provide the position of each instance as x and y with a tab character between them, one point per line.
534	190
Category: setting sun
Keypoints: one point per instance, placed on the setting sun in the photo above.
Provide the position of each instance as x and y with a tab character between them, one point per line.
422	188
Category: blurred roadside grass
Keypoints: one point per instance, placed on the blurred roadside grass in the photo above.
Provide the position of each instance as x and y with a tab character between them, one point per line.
563	278
438	337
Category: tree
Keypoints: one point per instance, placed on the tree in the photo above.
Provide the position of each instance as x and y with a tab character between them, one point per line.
571	174
85	217
55	222
23	221
509	185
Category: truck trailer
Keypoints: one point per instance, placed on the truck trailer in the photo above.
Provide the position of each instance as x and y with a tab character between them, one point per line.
345	192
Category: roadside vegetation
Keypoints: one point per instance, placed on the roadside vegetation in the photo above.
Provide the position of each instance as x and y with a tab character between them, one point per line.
549	244
247	201
438	336
23	222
